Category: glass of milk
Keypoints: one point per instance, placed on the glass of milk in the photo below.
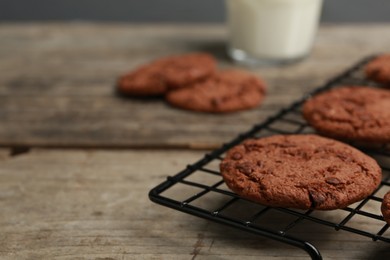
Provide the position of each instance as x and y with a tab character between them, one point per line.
271	31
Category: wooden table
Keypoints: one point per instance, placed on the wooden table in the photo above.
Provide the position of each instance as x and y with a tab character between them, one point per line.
77	161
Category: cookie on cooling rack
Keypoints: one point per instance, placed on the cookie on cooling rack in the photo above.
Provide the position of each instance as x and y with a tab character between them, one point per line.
379	69
300	171
385	208
351	112
157	77
224	91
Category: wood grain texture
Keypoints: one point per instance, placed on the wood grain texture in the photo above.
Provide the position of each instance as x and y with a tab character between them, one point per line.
56	90
4	154
57	82
75	204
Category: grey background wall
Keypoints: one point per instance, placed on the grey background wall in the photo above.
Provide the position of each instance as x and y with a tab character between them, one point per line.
170	10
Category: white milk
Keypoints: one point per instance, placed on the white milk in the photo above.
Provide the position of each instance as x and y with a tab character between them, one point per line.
272	30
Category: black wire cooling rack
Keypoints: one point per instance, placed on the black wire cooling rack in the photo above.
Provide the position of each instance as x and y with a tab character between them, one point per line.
204	194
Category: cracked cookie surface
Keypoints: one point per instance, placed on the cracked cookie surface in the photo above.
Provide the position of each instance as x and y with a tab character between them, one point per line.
224	91
351	112
300	171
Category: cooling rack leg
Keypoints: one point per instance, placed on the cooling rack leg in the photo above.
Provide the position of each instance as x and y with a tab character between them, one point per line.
309	248
312	251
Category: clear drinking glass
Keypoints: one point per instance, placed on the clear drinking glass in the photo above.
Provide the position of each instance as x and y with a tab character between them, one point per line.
271	31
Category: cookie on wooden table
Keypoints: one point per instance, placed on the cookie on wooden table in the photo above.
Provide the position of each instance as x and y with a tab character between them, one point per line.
351	112
300	171
385	208
224	91
157	77
379	69
182	70
147	80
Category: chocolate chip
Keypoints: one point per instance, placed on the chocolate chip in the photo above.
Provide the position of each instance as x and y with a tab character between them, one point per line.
316	198
236	156
332	169
345	158
216	102
245	168
332	181
252	147
319	150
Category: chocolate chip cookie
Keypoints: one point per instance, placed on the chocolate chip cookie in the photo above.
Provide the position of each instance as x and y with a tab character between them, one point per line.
351	112
385	208
300	171
224	91
161	75
379	69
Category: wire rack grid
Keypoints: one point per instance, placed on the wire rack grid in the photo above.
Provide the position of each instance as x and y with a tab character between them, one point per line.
204	194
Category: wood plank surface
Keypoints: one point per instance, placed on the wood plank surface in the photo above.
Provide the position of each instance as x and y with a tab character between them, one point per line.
57	82
4	154
57	90
74	204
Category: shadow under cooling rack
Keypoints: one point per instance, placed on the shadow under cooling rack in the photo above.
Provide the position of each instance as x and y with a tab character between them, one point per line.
199	189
